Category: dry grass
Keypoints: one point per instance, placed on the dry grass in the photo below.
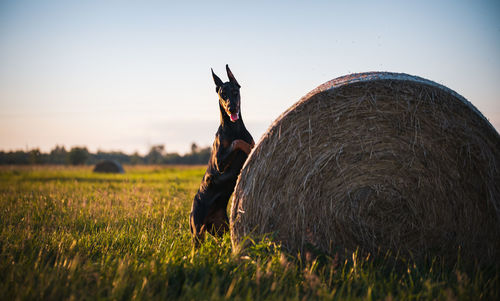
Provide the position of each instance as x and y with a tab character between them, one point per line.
380	161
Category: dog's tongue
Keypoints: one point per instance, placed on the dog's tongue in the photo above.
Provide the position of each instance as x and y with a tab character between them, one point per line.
234	117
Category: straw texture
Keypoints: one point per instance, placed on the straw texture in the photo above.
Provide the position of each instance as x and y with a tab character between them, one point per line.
380	161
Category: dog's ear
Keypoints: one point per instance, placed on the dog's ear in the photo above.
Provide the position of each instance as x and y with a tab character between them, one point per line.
231	76
217	80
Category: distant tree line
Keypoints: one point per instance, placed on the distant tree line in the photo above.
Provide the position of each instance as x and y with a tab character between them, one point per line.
80	155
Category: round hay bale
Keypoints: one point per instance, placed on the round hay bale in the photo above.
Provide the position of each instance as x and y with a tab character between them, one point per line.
384	162
109	166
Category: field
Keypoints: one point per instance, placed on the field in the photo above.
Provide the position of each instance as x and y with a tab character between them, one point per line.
66	233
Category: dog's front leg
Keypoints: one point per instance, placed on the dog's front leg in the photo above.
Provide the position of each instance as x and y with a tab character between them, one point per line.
225	155
242	145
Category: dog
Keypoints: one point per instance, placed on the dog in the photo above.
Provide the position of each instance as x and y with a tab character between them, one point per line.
230	150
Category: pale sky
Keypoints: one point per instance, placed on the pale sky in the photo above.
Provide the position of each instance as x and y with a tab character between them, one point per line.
124	75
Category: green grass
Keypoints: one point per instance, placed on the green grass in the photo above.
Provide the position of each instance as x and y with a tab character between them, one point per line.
66	233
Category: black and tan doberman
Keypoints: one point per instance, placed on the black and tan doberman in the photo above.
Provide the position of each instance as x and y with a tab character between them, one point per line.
230	150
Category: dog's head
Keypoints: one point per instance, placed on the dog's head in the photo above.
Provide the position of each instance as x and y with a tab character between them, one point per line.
229	95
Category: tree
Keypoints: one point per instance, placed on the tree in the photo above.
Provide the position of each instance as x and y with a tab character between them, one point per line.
155	155
194	148
136	159
58	155
35	156
78	155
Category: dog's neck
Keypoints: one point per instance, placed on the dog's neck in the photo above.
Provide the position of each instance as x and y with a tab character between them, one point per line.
225	121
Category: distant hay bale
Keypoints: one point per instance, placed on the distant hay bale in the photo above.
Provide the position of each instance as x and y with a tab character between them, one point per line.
381	161
109	166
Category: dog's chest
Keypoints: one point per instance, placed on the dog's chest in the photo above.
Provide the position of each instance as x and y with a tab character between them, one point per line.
225	143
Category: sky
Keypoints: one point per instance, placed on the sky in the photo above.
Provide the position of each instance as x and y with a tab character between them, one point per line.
126	75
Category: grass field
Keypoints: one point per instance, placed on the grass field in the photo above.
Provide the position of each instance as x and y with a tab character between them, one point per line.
66	233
